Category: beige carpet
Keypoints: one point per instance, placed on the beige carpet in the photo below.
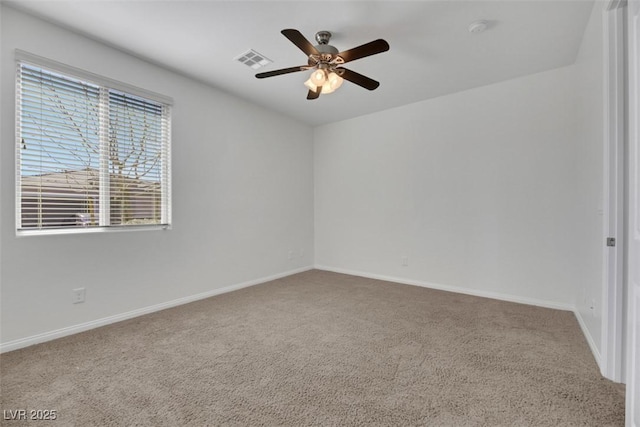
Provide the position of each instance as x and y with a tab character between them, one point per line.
321	348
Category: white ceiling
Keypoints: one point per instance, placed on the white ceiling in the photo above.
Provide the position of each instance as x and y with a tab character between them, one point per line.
432	53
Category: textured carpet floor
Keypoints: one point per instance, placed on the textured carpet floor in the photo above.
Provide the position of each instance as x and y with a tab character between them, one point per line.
321	348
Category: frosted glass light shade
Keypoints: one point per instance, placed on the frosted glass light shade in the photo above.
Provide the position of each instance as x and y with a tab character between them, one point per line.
335	81
310	85
318	77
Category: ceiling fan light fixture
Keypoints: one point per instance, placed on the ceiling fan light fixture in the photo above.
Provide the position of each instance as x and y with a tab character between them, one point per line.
325	61
319	77
334	80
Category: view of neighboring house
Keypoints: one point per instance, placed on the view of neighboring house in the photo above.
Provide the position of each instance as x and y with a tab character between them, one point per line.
72	198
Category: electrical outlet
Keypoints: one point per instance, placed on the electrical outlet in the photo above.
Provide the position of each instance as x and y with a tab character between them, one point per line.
593	304
405	261
290	255
78	295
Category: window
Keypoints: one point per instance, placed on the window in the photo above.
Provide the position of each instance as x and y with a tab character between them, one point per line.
92	154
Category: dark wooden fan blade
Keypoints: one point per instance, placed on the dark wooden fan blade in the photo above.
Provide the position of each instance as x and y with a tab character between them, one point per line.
314	95
281	71
367	49
358	79
299	40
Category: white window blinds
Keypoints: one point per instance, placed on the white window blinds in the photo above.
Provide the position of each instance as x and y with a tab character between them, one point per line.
88	156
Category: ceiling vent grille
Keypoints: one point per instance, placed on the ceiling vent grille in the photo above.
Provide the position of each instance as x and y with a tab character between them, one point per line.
253	59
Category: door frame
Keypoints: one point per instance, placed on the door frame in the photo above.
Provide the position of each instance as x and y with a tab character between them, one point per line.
612	358
633	211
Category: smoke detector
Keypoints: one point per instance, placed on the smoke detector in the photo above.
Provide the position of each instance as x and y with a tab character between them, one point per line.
478	26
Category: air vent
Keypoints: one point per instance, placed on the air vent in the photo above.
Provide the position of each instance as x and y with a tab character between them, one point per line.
253	59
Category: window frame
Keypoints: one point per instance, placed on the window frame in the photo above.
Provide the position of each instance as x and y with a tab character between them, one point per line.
105	84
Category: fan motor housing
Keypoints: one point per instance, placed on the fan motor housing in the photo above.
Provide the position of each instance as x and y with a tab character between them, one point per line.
326	48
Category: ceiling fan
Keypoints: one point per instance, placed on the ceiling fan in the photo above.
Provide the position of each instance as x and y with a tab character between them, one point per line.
327	61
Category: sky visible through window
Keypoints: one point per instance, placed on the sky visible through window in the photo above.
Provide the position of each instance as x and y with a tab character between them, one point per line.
60	124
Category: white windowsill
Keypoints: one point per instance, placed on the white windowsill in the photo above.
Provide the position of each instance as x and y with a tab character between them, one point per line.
89	230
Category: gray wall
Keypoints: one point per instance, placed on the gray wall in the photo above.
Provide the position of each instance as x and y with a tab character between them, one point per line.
477	189
589	79
242	200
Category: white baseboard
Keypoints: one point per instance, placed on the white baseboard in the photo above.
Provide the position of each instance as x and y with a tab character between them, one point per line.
456	289
59	333
589	338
